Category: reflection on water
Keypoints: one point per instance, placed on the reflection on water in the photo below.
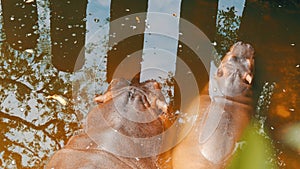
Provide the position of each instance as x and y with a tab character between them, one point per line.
42	104
32	126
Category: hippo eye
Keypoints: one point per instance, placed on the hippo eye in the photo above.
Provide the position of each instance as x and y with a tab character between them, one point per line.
233	58
219	73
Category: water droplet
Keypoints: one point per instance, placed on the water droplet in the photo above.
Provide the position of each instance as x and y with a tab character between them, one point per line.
293	44
127	10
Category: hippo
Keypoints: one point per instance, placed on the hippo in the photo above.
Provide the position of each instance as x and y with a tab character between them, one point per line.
137	111
133	110
226	106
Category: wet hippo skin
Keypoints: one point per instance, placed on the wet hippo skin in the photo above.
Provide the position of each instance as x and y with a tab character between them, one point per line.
225	110
119	107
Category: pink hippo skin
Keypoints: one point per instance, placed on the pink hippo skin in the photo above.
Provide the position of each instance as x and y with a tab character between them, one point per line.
133	110
224	113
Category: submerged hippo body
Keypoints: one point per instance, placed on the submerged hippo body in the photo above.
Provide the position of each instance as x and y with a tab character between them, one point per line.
128	109
224	113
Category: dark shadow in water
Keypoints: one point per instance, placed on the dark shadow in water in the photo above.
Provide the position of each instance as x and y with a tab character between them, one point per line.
67	31
205	21
20	23
118	52
272	29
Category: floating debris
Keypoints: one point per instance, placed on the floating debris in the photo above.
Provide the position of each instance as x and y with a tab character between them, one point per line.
133	27
29	51
137	19
214	43
59	98
28	1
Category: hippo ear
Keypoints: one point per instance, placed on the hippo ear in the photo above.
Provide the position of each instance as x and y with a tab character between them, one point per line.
211	121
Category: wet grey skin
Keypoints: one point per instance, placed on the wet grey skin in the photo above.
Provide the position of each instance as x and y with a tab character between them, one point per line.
225	111
138	100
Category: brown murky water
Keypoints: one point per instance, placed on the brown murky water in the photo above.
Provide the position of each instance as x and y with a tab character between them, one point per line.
46	86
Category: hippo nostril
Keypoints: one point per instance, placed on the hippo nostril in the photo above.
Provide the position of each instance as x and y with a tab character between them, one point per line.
162	105
248	78
145	102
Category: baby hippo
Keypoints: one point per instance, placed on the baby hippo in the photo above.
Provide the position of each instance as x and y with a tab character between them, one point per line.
117	131
225	110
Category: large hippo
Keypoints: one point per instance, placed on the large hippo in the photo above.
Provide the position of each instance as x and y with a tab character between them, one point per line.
134	111
225	110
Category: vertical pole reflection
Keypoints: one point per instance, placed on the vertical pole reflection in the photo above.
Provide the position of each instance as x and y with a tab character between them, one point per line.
20	23
44	41
91	78
161	40
228	23
1	24
68	33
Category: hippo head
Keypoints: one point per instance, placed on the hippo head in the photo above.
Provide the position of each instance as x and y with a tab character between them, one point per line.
138	102
127	120
235	73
